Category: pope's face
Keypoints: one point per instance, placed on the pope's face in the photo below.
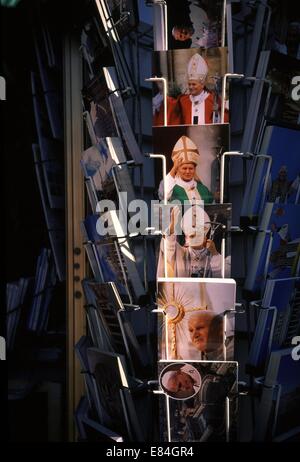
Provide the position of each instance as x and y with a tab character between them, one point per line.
187	171
198	328
195	87
180	383
181	33
282	175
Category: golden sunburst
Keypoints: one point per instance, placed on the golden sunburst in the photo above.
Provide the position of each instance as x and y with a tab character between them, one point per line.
173	306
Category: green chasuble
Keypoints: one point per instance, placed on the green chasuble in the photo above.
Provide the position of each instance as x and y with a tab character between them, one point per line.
180	194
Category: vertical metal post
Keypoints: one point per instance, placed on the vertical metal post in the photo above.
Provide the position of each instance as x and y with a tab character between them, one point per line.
224	86
224	12
75	213
165	89
256	37
165	200
160	25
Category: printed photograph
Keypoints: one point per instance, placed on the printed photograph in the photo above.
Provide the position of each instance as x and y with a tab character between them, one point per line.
280	402
93	43
180	381
276	251
101	164
196	23
193	161
108	257
272	100
284	181
192	244
194	86
124	14
97	111
195	314
108	368
278	322
97	164
287	419
200	398
278	182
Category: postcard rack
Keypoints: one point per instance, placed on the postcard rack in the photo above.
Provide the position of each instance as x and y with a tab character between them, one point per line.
174	291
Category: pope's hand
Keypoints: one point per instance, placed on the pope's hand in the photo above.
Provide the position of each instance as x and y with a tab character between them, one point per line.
175	167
